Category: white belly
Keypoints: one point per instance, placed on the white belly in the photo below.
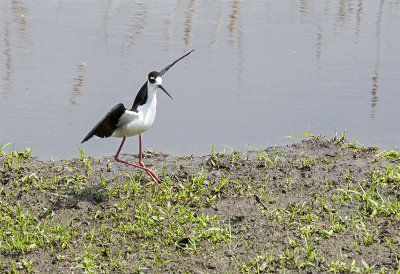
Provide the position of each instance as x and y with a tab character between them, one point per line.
134	123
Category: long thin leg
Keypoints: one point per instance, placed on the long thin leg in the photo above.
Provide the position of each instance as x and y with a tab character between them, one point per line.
141	167
141	163
149	171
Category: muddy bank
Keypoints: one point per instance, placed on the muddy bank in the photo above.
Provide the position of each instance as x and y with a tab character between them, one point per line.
318	205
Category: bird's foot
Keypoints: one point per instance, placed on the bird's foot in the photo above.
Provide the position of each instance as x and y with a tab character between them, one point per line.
156	180
154	177
150	172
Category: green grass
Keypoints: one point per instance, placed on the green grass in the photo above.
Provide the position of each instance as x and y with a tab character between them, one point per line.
253	210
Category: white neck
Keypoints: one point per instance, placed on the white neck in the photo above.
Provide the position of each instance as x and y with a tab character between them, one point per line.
149	108
151	89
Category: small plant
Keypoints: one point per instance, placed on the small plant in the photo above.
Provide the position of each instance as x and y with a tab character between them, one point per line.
289	137
218	189
82	153
264	157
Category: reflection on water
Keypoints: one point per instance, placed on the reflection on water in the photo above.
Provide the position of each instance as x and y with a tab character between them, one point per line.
189	23
170	25
260	69
136	25
235	32
359	13
233	26
20	14
7	51
79	81
375	77
14	13
216	27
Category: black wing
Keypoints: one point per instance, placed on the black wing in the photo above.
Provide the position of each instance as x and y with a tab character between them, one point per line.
164	70
108	124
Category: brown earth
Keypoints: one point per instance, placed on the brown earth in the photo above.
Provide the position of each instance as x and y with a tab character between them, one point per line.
315	206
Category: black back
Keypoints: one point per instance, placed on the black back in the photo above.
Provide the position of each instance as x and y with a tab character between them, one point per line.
141	98
108	124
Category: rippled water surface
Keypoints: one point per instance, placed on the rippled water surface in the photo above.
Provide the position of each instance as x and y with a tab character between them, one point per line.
261	69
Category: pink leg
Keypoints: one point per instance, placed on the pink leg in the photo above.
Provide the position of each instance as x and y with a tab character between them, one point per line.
149	171
141	163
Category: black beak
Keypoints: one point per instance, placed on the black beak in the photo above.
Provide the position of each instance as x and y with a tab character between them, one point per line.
161	87
164	70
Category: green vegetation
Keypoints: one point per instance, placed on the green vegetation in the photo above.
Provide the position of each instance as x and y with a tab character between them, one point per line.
318	205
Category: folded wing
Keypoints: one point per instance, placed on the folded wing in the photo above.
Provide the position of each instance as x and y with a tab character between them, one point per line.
108	124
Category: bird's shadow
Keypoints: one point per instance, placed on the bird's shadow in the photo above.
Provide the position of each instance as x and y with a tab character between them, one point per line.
72	200
91	190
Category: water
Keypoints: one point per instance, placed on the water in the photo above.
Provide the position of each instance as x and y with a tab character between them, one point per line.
261	69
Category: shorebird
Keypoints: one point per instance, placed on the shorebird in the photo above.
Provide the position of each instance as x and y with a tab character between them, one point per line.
121	122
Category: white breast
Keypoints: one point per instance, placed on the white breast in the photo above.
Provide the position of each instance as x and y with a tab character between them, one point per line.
133	123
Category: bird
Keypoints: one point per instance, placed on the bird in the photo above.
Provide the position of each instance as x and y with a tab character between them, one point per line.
122	122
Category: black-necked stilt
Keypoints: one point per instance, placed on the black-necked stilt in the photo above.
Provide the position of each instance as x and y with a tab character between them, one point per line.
122	122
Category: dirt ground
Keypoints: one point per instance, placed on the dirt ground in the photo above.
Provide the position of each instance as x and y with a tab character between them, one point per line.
315	206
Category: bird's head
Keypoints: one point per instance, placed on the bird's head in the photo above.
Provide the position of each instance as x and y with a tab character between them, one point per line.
155	80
